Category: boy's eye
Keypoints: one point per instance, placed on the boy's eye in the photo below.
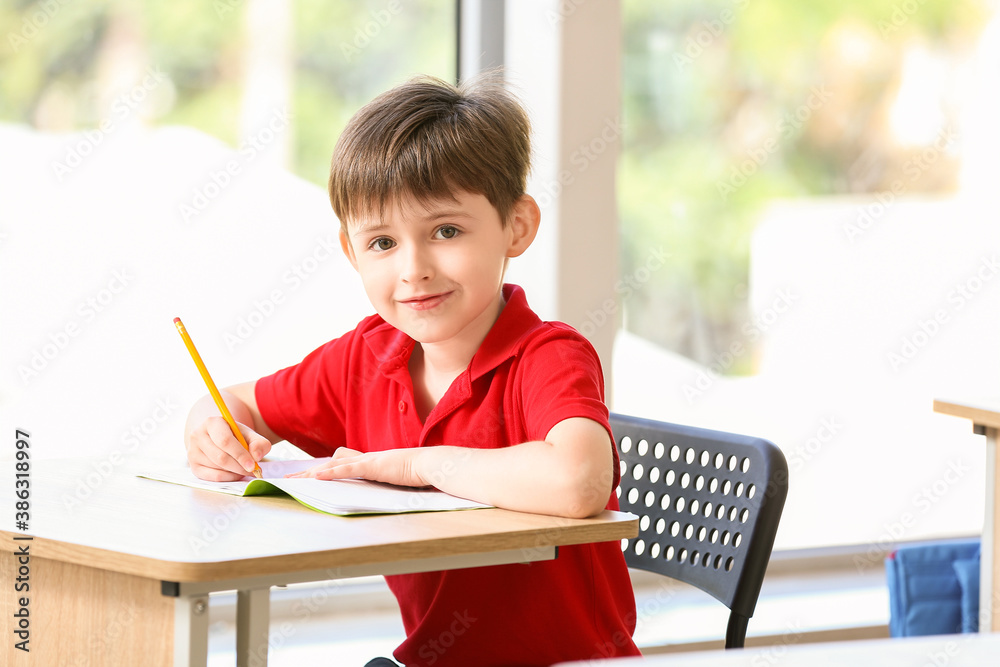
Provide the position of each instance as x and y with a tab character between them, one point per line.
382	243
447	232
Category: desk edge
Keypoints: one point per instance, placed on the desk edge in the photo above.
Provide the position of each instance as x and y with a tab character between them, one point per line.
622	525
980	416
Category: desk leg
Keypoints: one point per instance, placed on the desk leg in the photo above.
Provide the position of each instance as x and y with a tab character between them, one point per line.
191	631
253	618
85	616
989	568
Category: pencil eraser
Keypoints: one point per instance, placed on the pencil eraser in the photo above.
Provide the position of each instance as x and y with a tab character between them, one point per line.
177	320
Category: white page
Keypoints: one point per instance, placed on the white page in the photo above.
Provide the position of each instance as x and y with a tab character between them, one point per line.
345	496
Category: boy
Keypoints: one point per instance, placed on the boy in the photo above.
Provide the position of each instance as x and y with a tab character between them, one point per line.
454	383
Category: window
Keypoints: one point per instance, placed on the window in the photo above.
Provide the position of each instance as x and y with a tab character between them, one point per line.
169	159
818	177
231	68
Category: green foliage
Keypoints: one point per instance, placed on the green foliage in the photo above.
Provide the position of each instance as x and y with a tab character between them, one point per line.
721	117
709	89
343	52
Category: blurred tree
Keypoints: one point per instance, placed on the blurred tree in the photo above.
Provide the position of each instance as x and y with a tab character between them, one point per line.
731	103
62	62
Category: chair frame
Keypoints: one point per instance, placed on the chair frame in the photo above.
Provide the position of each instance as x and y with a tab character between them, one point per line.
709	504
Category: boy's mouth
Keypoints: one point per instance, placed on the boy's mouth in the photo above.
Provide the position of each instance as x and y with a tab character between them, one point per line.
426	301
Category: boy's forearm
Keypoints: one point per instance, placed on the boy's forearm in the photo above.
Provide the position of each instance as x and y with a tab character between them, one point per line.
529	477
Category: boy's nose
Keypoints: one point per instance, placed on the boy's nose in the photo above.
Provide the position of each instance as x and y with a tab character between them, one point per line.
417	265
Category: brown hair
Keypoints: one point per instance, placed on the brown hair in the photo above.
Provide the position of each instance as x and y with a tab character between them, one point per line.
429	139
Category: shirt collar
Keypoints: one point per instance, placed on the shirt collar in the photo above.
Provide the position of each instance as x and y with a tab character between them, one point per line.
502	342
392	348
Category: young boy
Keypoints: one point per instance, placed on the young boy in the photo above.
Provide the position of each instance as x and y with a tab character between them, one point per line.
454	383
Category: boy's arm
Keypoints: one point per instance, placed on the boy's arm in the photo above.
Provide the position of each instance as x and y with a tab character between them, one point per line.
569	474
213	451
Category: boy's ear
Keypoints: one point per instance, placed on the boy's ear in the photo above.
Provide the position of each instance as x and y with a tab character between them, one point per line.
345	245
524	222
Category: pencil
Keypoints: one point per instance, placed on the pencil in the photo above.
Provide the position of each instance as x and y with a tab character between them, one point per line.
214	391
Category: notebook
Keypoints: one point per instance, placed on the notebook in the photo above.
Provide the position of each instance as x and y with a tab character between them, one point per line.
343	497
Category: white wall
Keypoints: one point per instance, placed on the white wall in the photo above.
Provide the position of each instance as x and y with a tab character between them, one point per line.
95	264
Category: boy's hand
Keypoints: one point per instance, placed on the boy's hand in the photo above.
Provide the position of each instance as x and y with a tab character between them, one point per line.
394	466
570	473
215	454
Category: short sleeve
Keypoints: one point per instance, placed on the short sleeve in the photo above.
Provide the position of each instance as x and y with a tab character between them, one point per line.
304	403
560	377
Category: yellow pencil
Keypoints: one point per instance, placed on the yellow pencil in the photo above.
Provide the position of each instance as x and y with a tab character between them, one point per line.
212	389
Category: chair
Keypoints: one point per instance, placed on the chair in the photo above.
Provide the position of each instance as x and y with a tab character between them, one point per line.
708	503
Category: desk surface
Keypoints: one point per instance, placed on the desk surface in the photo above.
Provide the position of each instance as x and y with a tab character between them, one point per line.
971	650
981	411
93	513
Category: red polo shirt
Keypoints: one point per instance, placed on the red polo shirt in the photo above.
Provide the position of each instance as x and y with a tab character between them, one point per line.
526	377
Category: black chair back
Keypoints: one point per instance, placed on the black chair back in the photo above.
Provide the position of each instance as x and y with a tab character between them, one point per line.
708	503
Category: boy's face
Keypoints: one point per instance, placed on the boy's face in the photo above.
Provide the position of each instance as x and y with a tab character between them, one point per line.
435	270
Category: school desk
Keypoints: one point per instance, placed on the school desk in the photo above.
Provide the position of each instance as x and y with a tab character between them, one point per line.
120	567
985	416
972	650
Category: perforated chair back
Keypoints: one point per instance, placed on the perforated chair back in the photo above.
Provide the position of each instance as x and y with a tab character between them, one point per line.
708	503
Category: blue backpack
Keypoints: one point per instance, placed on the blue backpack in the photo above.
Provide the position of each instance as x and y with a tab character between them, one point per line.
933	588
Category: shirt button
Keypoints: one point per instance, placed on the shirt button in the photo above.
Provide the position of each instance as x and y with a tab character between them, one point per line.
402	406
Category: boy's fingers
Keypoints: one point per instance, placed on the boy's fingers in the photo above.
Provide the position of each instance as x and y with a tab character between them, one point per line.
206	469
210	474
340	471
212	458
345	452
259	445
325	470
228	453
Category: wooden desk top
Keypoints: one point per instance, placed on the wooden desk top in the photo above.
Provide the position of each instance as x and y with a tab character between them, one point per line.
985	412
971	650
120	522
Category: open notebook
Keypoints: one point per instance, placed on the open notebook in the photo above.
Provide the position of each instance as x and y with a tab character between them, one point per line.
343	496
